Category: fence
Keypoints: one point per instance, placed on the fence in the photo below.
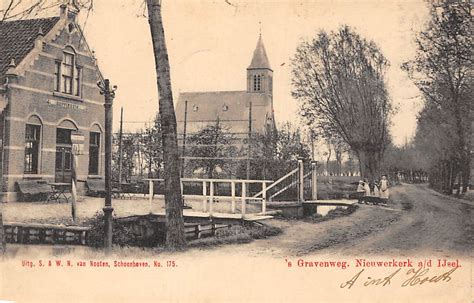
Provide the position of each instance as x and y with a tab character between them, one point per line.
208	192
33	233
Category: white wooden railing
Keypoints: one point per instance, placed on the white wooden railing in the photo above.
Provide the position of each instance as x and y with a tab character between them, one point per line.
209	197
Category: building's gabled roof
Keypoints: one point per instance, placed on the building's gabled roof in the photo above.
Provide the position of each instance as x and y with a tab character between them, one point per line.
232	108
17	39
259	59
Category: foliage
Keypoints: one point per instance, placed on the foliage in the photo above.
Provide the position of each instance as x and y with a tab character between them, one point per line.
237	235
442	70
130	152
122	235
339	80
213	146
152	148
290	145
405	163
276	153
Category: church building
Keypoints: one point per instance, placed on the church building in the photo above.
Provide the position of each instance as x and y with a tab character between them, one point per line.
196	110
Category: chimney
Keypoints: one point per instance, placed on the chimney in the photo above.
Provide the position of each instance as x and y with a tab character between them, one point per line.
63	10
11	73
68	10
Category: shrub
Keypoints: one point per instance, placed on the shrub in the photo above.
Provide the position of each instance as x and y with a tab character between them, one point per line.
122	234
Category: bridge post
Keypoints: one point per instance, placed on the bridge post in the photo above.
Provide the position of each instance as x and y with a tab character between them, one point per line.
243	199
232	189
204	196
264	197
314	180
211	197
301	181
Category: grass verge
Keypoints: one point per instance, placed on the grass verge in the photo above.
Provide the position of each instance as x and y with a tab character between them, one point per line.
236	235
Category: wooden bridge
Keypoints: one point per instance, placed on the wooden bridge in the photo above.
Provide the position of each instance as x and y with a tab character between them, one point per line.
269	189
209	198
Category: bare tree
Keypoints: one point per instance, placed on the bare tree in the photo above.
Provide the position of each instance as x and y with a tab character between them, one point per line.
339	80
175	238
20	9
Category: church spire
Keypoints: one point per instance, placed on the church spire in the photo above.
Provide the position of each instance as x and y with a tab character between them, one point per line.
260	59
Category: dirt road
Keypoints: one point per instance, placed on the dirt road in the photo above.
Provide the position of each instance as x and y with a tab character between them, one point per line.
417	221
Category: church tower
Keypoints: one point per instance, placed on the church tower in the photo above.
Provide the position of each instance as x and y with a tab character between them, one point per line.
259	72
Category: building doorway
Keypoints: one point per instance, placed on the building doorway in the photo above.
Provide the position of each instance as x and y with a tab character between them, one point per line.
63	171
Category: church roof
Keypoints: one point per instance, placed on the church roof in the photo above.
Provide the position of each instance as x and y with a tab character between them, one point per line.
259	59
17	39
232	108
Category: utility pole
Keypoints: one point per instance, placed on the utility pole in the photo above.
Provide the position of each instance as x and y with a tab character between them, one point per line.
120	147
183	155
109	94
311	134
314	180
249	150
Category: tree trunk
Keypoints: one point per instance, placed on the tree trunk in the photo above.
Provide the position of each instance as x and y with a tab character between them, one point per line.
369	164
3	246
338	162
328	159
175	238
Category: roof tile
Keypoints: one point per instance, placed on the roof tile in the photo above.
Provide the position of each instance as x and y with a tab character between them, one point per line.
17	39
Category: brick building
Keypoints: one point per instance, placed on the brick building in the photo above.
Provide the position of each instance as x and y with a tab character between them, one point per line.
48	92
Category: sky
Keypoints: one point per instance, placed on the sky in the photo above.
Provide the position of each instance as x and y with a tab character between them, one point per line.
210	45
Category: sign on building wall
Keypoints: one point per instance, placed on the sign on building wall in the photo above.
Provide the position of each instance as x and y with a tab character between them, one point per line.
77	144
66	105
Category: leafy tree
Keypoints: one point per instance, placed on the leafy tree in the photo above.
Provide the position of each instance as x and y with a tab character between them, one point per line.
152	148
130	150
213	146
442	70
276	153
339	80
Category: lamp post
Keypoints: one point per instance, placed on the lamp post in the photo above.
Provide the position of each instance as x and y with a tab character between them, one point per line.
109	94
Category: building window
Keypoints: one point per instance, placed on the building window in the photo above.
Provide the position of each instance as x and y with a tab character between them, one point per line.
68	72
94	152
257	83
63	136
57	76
68	76
32	144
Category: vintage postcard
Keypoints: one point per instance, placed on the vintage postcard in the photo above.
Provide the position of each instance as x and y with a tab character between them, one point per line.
236	151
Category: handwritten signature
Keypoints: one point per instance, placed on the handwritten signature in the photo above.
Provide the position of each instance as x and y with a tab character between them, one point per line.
415	277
